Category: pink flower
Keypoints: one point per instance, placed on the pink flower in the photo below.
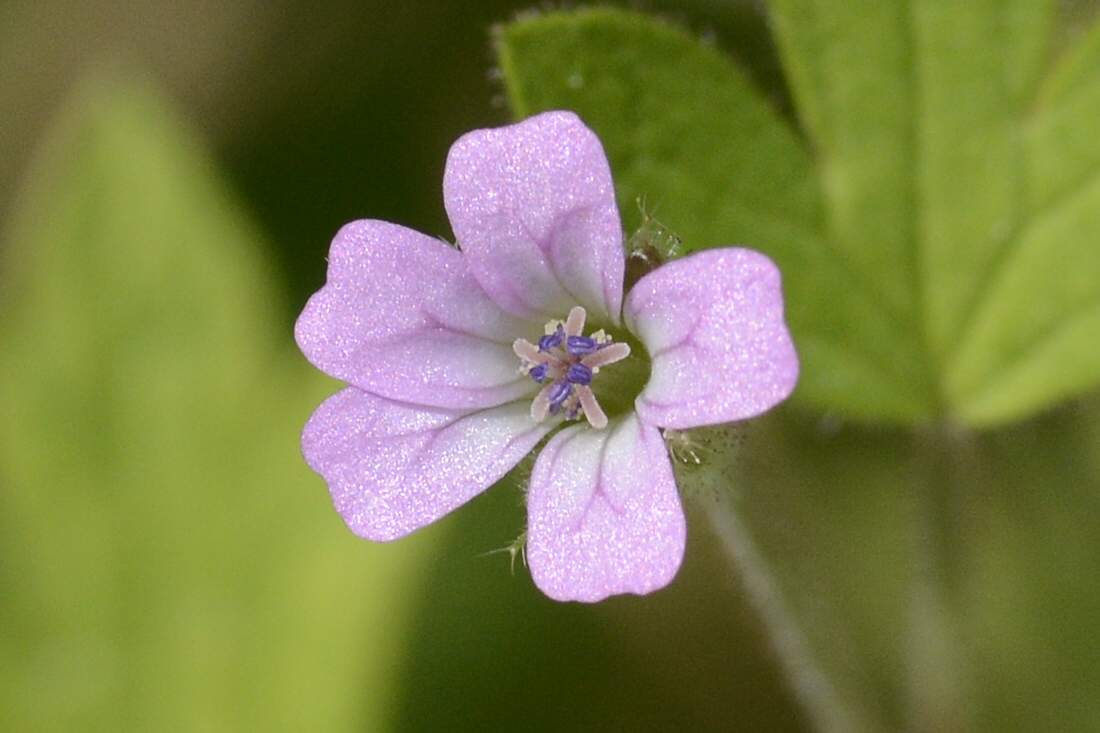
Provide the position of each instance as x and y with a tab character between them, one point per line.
461	362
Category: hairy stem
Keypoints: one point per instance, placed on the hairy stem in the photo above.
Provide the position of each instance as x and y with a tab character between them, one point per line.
811	687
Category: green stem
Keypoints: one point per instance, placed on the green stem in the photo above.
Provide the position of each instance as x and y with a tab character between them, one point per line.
800	667
938	674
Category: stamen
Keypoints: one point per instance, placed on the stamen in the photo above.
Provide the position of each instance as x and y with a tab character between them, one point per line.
538	373
580	345
574	324
540	407
597	418
529	352
571	407
607	355
564	362
579	374
559	392
551	340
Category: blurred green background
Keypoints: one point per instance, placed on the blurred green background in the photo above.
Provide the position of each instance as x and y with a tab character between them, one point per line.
170	178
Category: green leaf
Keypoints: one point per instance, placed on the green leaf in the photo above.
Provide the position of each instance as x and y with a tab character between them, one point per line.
172	562
865	160
936	227
938	90
683	128
1033	337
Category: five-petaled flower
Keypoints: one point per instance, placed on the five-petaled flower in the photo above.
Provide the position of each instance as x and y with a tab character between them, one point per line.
460	361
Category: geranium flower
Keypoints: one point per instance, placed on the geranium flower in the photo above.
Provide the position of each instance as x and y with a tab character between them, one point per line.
460	361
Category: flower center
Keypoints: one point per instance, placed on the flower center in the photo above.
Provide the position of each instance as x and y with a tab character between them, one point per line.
565	362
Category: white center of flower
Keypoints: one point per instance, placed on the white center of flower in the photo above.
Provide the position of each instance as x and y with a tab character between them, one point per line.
565	361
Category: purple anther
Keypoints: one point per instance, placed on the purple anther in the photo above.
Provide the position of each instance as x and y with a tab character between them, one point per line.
538	373
559	393
581	345
551	340
579	374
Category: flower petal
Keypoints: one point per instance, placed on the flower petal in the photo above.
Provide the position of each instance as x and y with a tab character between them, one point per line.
603	514
392	468
713	325
533	208
401	316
